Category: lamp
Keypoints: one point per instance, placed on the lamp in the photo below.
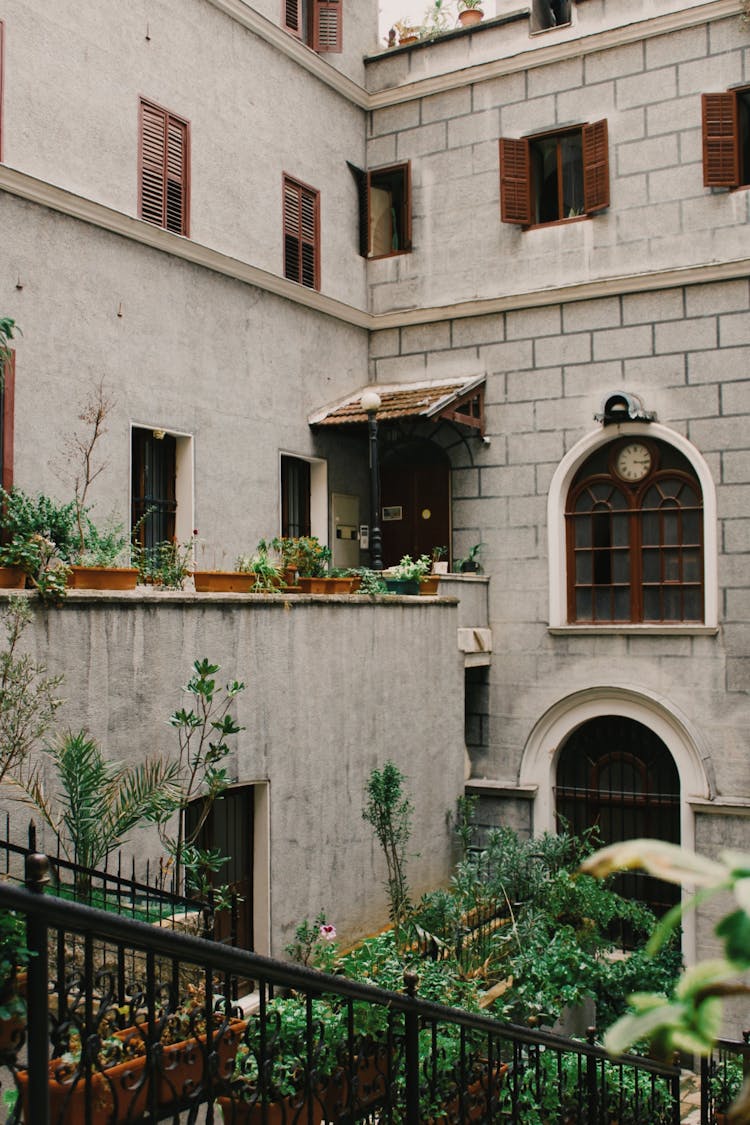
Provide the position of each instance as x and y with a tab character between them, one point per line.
370	403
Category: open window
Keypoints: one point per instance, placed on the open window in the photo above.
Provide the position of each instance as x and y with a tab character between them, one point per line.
384	210
316	22
161	491
556	176
726	139
549	13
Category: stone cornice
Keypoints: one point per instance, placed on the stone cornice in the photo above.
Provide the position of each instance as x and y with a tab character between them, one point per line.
559	51
88	211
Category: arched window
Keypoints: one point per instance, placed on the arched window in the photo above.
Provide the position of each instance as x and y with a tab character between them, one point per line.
634	534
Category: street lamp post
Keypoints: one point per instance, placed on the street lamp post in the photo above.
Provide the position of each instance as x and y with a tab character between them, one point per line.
371	404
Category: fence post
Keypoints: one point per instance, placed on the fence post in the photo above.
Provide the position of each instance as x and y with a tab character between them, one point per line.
411	1052
591	1079
37	999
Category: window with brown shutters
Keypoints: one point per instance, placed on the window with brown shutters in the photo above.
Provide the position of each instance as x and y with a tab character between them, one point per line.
319	23
164	145
554	176
7	401
726	139
301	233
384	210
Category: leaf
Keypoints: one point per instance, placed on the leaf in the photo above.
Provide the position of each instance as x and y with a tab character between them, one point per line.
734	930
658	858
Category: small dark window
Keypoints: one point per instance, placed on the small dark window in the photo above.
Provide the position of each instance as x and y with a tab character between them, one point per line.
301	233
726	139
384	210
163	175
154	486
295	497
549	13
554	176
316	22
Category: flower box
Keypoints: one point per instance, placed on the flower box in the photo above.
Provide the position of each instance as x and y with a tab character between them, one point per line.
223	581
102	578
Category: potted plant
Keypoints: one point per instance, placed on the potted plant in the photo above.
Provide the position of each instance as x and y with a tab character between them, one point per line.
406	32
470	564
405	578
309	558
166	564
439	560
263	575
469	12
13	956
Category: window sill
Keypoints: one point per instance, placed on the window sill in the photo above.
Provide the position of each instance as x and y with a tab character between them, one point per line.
559	222
678	630
391	254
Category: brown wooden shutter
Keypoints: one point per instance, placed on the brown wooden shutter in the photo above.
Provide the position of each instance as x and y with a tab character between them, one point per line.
164	147
301	234
7	410
721	140
407	206
515	182
595	167
362	180
327	30
291	16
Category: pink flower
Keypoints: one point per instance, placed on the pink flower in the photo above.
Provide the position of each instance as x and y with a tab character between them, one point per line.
328	932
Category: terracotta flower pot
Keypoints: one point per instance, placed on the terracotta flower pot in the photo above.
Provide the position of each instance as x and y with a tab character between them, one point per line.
223	582
102	578
470	16
12	578
325	585
429	585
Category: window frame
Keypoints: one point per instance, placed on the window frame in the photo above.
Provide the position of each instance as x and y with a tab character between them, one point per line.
290	182
317	27
364	180
169	119
7	421
631	517
536	24
517	200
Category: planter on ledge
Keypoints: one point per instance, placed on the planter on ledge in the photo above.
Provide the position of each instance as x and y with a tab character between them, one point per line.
102	578
12	578
223	581
470	17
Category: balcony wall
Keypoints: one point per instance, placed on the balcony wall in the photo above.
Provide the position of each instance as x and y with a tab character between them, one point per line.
334	687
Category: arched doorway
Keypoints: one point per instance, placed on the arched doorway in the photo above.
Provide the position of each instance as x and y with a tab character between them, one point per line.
415	499
617	774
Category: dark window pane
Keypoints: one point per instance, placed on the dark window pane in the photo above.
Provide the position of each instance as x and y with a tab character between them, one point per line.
651	570
583	567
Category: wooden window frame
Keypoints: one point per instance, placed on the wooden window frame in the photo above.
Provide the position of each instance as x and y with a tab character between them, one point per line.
303	190
7	412
141	502
320	28
306	516
170	119
636	584
517	202
364	182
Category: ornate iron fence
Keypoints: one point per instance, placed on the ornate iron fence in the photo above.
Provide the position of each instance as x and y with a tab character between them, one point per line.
142	1027
722	1076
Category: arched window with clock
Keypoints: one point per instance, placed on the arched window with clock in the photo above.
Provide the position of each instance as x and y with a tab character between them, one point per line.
634	533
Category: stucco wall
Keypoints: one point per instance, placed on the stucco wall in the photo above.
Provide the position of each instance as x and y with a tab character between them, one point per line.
333	689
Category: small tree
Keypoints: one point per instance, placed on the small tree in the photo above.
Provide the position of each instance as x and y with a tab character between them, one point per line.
389	812
28	699
7	329
202	732
94	805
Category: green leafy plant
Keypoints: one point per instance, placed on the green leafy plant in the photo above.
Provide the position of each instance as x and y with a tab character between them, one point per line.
200	777
28	696
93	804
14	954
435	20
411	570
8	329
266	571
470	562
725	1083
464	5
166	564
371	582
314	944
308	556
389	812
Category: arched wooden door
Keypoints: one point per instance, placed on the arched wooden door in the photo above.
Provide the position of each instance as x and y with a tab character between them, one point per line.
414	500
616	774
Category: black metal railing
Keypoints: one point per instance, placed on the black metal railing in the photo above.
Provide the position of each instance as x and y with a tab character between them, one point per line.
722	1076
142	1027
150	895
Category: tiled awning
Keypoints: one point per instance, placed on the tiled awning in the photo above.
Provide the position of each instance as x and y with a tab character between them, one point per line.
458	400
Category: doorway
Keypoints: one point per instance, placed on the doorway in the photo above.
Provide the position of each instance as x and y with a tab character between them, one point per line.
415	500
230	829
615	774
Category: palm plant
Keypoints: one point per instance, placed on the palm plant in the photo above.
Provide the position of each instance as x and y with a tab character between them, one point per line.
96	804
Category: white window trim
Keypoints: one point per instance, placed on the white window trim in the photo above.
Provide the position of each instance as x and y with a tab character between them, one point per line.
184	478
557	498
318	493
660	715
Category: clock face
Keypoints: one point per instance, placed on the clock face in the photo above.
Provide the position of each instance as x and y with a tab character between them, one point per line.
633	462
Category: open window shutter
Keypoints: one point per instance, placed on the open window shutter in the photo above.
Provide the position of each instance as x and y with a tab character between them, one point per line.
595	167
362	180
515	182
153	150
292	16
721	147
177	165
407	207
7	408
327	31
309	239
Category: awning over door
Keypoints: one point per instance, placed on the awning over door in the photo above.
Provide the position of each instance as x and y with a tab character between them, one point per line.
455	400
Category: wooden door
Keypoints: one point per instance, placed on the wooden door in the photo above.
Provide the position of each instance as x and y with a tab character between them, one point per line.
414	501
